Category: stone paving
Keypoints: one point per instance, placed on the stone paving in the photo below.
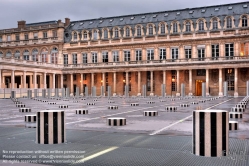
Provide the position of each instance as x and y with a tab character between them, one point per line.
165	139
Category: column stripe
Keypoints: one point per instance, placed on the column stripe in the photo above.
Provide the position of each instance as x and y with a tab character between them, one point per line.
213	134
224	133
202	134
55	126
194	112
45	127
38	127
62	127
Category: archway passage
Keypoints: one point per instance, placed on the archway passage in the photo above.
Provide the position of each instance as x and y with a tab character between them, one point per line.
198	89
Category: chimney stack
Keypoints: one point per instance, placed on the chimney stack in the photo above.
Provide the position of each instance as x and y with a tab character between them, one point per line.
67	22
21	24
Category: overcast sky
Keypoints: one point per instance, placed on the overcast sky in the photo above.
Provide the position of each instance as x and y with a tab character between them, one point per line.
32	11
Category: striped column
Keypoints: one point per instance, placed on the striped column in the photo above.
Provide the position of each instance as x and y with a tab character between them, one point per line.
210	133
116	121
50	127
233	125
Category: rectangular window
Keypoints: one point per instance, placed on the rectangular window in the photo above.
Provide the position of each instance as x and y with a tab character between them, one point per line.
17	38
215	51
84	58
188	53
173	81
54	33
105	34
26	57
162	29
26	36
35	35
45	35
127	56
229	51
150	54
74	77
201	54
229	77
65	57
174	53
105	56
34	57
74	59
138	55
8	38
43	57
115	56
215	25
201	72
162	53
94	57
84	76
64	77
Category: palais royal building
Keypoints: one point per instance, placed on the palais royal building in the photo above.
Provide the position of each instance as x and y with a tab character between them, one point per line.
186	46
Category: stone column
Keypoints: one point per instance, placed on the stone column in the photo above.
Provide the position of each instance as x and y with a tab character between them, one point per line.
53	81
71	83
24	79
81	83
0	78
222	49
139	83
194	53
34	80
44	81
114	83
127	79
103	79
61	80
151	83
178	82
13	79
190	83
236	82
220	83
92	79
207	82
164	77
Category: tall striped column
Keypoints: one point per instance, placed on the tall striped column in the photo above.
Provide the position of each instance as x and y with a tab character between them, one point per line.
210	133
50	127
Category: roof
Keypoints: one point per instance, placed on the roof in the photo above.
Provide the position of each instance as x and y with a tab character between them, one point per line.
41	23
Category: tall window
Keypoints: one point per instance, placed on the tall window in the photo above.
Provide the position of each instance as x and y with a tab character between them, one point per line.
229	51
175	29
127	31
201	54
8	54
65	58
8	38
188	27
84	58
149	81
173	79
139	31
215	23
17	38
54	56
94	57
215	51
74	59
105	34
150	54
35	35
26	36
105	56
229	77
44	56
115	56
75	36
229	22
244	21
188	53
150	30
162	28
85	35
127	56
162	54
174	53
138	55
45	35
95	35
201	25
26	55
17	54
116	33
54	33
35	55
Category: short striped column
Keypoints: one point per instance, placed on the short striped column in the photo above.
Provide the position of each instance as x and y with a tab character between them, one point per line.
63	106
195	102
171	109
113	107
75	101
184	105
24	109
210	133
30	118
235	115
240	106
111	101
50	127
81	111
237	109
51	103
20	105
134	104
150	113
90	103
233	125
116	121
150	102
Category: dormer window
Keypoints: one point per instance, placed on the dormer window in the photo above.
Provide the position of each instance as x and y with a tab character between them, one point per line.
132	18
116	33
203	10
162	29
166	15
127	31
100	21
105	34
150	30
139	31
244	6
155	16
85	35
95	35
81	23
244	21
178	13
201	25
188	27
72	25
229	22
143	17
75	36
90	22
191	12
111	20
175	29
215	24
121	19
230	8
217	9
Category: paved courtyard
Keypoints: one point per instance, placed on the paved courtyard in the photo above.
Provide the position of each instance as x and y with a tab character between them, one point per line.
165	139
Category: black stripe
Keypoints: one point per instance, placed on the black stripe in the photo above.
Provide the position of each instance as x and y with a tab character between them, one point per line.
121	122
110	122
124	121
29	118
62	127
45	127
34	118
115	122
55	127
224	133
230	126
38	127
236	126
213	133
194	132
202	133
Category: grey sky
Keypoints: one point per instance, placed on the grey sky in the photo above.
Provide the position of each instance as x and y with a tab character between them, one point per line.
46	10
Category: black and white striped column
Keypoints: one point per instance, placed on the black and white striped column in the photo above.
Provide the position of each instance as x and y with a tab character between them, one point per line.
81	111
116	121
210	133
30	118
24	109
235	115
233	125
50	127
150	113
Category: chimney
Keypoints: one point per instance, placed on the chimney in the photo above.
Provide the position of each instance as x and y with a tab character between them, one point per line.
67	22
59	21
21	24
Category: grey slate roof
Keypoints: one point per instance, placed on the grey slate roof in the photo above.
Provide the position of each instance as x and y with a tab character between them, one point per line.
236	11
41	23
